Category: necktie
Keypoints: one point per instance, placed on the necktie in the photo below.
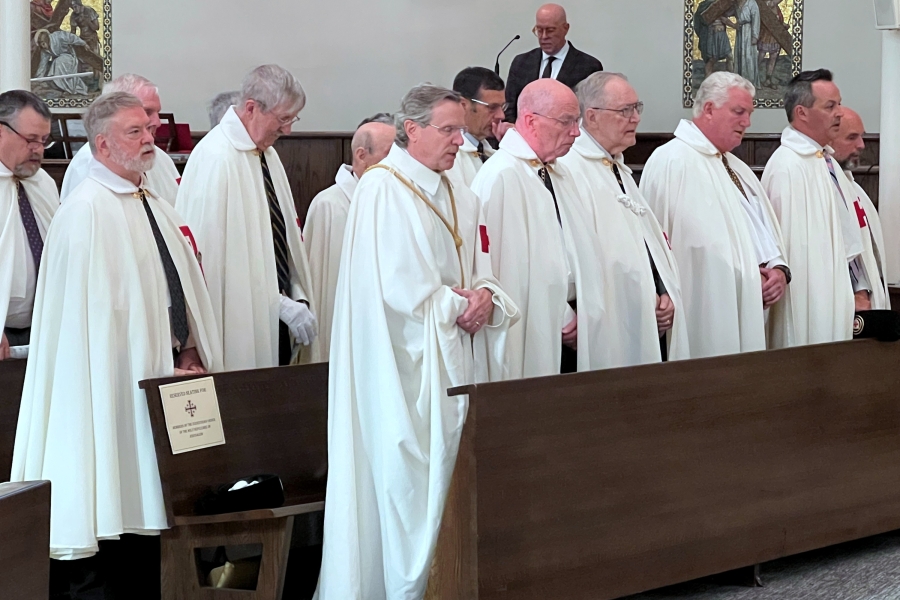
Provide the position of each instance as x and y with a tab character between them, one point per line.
618	175
31	226
178	313
657	280
480	150
734	177
279	232
548	70
545	177
834	178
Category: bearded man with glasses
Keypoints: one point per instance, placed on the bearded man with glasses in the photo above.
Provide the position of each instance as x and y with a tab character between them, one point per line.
556	58
28	201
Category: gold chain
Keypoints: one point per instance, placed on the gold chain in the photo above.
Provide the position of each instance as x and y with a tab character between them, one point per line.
454	230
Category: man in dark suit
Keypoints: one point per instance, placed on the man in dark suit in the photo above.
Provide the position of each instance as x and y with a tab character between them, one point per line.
556	58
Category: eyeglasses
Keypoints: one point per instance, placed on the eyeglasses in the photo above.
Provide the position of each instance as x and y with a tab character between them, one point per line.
450	129
42	143
567	123
627	112
491	107
288	120
539	31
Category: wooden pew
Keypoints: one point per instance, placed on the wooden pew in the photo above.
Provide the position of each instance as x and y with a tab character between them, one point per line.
604	484
275	421
12	378
25	540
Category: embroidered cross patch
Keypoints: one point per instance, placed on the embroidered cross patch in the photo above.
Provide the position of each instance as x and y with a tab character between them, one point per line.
485	241
860	214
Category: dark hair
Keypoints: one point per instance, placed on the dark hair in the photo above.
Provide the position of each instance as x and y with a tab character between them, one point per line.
472	80
382	117
13	101
799	90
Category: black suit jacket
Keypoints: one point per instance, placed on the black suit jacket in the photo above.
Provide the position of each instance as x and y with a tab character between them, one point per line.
524	69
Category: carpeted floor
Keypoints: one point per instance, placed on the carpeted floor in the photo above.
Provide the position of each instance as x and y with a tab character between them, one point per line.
866	569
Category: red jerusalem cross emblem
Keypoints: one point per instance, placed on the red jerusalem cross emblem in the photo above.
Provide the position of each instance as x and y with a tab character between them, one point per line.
190	408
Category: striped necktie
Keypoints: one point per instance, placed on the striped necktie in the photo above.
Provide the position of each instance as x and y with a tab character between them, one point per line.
279	231
31	227
834	179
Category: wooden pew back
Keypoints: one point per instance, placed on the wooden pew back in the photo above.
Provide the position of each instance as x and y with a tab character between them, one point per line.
12	378
25	540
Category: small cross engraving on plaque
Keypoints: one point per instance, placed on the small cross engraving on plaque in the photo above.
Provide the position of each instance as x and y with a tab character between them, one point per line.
190	408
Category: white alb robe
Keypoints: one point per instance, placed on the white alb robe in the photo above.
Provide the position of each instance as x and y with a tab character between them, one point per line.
223	199
626	229
821	237
873	243
540	264
703	214
393	432
468	163
101	325
323	235
163	177
18	273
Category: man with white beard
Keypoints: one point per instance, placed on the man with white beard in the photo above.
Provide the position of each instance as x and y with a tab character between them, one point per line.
120	298
544	249
723	232
847	146
642	295
415	298
28	201
163	177
323	232
236	197
813	199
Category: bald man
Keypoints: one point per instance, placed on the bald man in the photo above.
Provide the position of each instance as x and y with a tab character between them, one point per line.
542	246
556	58
847	145
323	233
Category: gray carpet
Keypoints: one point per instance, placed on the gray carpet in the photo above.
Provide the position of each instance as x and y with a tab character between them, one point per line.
861	570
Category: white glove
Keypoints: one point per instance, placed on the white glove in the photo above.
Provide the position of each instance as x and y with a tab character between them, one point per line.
299	320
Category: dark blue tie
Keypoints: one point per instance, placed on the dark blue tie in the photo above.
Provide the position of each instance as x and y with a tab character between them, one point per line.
31	226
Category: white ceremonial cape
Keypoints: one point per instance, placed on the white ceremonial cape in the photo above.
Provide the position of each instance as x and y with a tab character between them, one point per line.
820	235
535	262
393	432
323	235
873	244
700	210
162	178
223	200
14	247
101	325
468	163
626	228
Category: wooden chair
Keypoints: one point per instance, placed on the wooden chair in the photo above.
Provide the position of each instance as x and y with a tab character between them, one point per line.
61	132
275	421
25	535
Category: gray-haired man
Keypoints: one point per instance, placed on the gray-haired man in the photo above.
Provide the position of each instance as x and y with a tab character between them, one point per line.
237	200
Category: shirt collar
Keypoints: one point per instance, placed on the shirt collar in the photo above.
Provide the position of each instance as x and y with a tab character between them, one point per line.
690	134
515	144
802	144
118	185
560	56
235	131
4	172
470	143
422	176
588	147
346	180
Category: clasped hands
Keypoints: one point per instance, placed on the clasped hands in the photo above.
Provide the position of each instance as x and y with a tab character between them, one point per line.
478	313
299	319
774	284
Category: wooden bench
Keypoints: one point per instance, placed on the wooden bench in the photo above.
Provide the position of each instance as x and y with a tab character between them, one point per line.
599	485
275	421
12	378
25	540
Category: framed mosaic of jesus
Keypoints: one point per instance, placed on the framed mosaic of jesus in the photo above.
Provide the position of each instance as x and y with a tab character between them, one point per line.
761	40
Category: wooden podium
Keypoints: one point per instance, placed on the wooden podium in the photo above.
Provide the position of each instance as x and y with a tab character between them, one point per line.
604	484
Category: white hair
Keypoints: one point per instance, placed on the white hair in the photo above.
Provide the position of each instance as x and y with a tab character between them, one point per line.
220	105
592	90
99	116
130	84
418	105
715	89
271	86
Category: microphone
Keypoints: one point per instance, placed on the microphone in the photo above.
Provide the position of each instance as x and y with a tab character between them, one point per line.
497	64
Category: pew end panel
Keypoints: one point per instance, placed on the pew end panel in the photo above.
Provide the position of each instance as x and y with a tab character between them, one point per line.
25	535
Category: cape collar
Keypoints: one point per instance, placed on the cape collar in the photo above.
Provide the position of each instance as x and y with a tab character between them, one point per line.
588	147
4	172
691	135
849	175
422	176
802	144
118	185
346	180
235	132
515	144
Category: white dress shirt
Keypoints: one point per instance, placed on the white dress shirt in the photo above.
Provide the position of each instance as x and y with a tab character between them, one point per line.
557	64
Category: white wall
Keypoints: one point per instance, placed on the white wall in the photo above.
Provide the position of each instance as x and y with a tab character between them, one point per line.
357	57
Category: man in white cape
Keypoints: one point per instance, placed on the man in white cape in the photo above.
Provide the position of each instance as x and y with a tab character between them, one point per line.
544	249
643	320
120	292
723	232
847	145
415	297
237	200
28	201
484	100
163	176
814	203
323	232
